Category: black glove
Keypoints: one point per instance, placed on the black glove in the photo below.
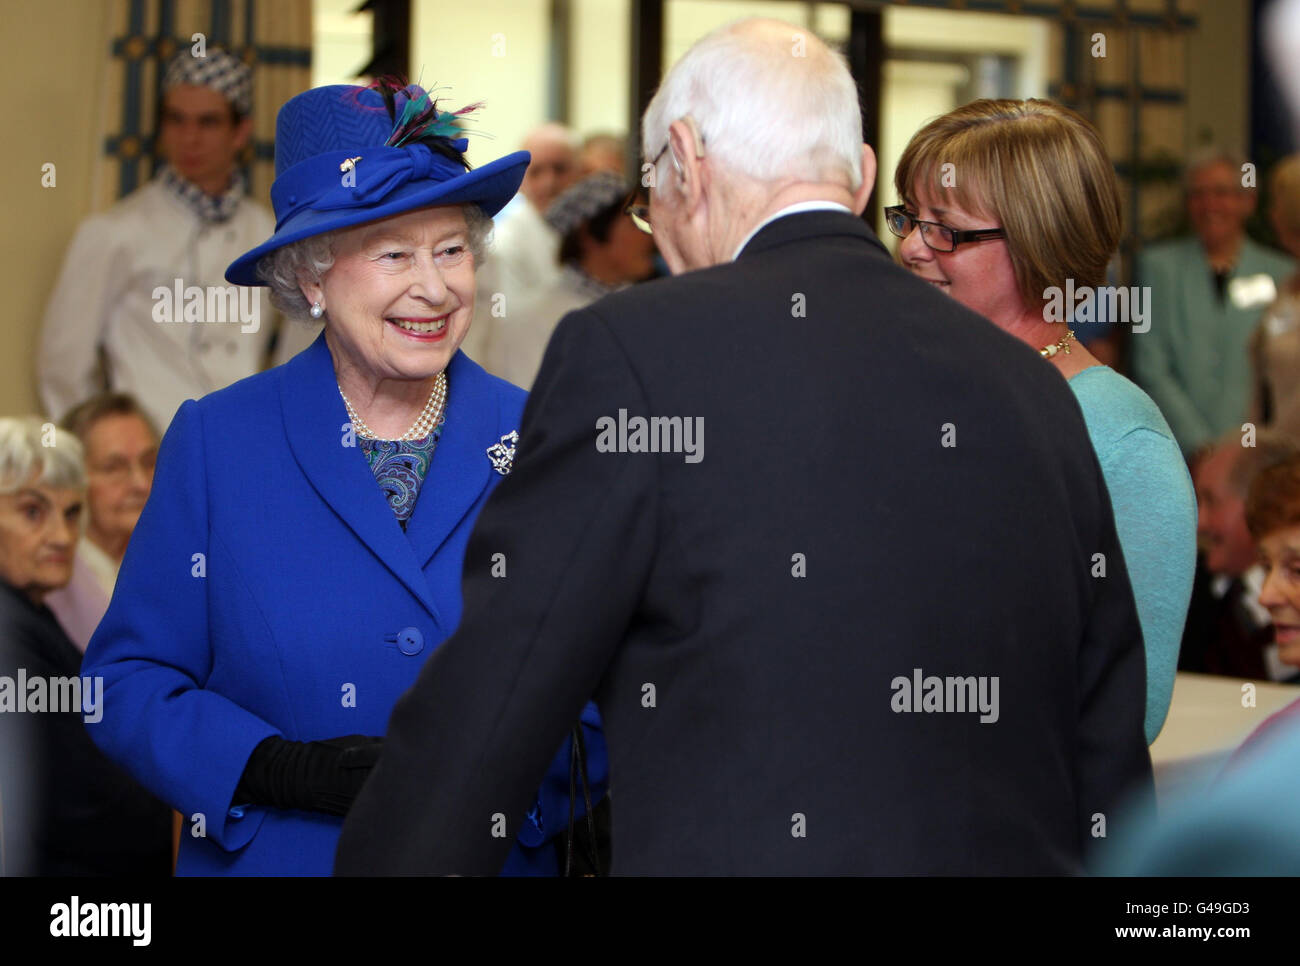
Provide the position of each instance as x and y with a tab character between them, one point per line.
318	776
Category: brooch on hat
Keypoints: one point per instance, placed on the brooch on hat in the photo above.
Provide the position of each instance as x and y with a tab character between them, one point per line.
502	454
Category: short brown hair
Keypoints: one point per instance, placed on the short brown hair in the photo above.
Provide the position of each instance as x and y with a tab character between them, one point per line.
1274	499
1037	167
81	417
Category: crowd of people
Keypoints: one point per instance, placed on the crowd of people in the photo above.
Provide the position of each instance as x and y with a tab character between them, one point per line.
485	643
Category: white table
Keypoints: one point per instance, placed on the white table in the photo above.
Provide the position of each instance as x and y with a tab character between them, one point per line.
1206	723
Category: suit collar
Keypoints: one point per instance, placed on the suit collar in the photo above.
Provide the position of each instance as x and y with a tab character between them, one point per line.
802	226
794	209
315	422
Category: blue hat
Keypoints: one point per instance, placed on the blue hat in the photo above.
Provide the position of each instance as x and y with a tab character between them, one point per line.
340	162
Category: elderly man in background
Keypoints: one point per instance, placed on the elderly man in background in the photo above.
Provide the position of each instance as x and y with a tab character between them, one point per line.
121	447
1207	293
523	257
764	625
1228	632
181	229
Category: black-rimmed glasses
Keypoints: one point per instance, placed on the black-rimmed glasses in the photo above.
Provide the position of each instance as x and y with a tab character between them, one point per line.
937	237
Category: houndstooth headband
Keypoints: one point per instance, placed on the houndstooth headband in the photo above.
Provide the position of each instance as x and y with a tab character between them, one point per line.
223	72
581	201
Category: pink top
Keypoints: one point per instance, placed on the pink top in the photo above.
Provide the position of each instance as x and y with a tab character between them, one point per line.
1257	739
79	606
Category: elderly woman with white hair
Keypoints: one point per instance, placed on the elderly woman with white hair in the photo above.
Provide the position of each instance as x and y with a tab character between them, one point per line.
66	809
300	556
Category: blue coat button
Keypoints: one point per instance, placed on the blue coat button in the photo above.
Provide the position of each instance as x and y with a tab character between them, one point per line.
410	640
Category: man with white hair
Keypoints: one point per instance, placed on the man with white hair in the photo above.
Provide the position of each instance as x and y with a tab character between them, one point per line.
809	643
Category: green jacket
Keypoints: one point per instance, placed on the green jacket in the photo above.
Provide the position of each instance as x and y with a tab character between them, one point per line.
1194	359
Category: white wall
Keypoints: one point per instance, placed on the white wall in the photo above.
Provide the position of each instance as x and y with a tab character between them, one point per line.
686	21
340	40
599	39
916	92
52	63
496	51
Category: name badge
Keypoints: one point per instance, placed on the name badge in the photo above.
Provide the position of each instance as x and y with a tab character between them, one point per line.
1252	291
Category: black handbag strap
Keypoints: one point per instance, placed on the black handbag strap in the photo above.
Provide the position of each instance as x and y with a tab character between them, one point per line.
578	770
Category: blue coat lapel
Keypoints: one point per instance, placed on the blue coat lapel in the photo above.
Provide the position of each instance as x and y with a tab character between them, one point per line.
460	470
314	417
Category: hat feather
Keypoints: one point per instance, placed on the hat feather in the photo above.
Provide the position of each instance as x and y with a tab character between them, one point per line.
421	118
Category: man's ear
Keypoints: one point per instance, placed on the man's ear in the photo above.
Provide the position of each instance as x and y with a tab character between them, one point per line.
687	162
863	194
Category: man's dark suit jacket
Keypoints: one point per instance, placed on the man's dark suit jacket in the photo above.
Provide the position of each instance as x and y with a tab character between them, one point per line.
742	620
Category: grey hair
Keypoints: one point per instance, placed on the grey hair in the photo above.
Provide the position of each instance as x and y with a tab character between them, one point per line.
312	257
24	453
771	102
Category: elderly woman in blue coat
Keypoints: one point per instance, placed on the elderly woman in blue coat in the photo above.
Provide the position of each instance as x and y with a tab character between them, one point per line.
301	553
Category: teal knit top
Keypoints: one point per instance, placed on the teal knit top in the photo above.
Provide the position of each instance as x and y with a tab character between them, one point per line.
1155	516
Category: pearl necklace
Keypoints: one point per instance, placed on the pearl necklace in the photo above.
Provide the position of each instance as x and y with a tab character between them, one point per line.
423	426
1048	351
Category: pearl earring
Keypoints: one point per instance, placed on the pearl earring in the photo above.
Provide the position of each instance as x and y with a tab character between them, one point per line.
316	311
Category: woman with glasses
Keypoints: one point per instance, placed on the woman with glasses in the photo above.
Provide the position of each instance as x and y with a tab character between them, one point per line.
1011	207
